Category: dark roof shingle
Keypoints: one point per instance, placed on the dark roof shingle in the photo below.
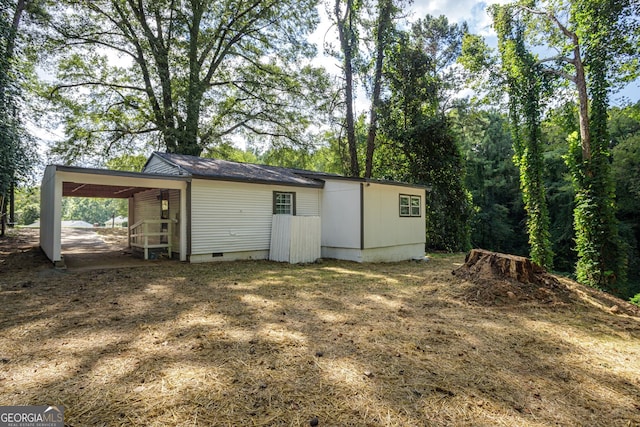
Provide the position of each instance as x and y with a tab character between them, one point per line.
234	171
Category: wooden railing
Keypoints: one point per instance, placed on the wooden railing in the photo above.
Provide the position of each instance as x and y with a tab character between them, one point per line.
148	234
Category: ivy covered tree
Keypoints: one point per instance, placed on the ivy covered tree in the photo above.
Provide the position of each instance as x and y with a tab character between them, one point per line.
557	125
524	84
598	48
602	260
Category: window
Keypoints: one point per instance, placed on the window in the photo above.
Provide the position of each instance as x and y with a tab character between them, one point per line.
164	214
284	203
415	205
410	205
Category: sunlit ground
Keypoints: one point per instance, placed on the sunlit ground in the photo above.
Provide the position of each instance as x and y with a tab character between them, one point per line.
260	343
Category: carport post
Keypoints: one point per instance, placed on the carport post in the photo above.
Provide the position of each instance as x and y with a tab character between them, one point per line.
51	214
57	224
184	217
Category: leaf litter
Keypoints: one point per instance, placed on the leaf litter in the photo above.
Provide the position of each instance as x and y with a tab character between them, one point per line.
329	344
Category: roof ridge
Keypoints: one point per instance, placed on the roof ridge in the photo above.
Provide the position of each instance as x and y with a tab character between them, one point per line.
262	165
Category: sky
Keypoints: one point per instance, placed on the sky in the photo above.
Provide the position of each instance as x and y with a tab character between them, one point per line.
457	11
473	12
476	16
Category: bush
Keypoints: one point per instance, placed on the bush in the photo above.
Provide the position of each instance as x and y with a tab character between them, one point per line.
635	300
29	215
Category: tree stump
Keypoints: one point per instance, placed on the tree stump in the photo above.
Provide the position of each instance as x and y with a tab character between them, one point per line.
482	263
499	279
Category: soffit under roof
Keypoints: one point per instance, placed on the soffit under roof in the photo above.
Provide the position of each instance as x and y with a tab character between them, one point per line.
75	189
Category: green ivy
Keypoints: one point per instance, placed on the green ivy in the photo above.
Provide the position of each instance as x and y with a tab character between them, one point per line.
602	261
525	87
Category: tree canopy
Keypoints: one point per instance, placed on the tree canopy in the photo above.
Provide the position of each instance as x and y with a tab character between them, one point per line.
181	76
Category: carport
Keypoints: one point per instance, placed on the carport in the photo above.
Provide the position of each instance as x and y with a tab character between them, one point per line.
69	181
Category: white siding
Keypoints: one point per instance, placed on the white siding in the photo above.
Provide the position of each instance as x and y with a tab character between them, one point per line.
383	225
385	254
341	214
308	202
50	214
146	205
158	165
295	239
236	217
386	235
393	253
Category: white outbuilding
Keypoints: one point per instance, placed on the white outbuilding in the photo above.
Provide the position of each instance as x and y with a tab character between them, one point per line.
201	209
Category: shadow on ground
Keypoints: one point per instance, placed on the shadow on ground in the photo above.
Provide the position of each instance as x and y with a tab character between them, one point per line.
260	343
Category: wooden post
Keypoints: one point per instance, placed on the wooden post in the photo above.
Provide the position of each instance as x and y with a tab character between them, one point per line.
145	233
169	238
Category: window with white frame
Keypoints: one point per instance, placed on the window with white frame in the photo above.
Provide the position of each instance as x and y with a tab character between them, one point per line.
410	205
284	203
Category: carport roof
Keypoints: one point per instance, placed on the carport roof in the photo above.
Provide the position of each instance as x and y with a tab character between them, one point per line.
80	188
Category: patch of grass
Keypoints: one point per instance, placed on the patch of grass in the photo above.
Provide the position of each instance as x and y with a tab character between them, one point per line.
261	343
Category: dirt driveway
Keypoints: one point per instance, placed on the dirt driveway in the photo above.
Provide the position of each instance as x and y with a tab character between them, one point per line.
88	249
83	240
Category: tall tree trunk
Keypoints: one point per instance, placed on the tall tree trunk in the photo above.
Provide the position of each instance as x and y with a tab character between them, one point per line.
8	193
190	143
345	32
384	21
17	16
5	62
12	205
601	257
2	214
160	46
583	102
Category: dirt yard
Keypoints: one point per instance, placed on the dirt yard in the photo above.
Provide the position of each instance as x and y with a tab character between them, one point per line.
328	344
